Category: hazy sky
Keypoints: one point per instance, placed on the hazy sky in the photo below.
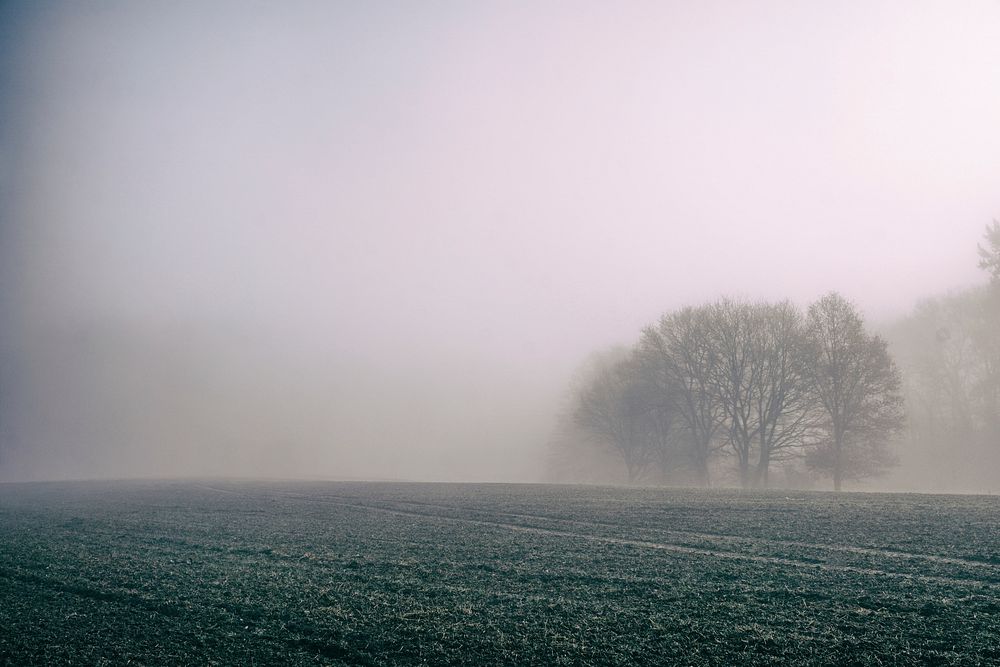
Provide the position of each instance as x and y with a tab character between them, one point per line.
374	238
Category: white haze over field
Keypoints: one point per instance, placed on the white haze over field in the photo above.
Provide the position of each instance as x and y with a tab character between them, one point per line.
374	239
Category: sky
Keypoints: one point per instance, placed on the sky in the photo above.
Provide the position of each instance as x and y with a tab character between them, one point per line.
367	239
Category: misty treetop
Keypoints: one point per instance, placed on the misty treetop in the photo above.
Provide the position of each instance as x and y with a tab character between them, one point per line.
737	387
949	349
989	256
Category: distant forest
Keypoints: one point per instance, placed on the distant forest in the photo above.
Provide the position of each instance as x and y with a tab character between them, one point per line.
760	394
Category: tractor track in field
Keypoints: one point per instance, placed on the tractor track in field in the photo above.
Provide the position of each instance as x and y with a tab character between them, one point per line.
87	590
350	502
720	537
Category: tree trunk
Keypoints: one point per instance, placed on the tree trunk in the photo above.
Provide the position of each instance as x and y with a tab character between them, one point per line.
701	473
763	463
701	464
744	473
838	465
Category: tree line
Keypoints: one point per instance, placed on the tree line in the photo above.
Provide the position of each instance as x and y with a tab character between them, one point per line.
735	388
949	352
745	385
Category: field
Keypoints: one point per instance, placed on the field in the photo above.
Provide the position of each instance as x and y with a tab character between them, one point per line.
364	573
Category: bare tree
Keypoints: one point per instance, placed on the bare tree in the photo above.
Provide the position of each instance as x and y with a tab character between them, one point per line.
760	380
614	407
784	402
734	369
679	360
857	386
737	376
657	409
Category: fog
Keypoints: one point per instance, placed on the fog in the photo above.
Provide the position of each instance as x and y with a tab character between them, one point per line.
375	240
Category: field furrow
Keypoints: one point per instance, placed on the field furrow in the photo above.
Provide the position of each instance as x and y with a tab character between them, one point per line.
383	574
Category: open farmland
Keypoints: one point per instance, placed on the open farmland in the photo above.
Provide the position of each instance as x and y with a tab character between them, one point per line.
371	573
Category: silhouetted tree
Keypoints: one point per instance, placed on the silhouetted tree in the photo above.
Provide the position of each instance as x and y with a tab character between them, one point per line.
760	380
615	407
736	376
784	403
857	387
734	372
679	359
